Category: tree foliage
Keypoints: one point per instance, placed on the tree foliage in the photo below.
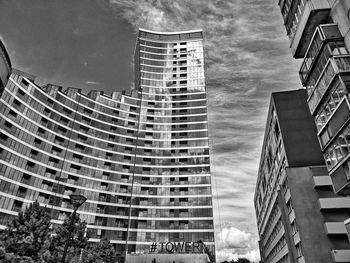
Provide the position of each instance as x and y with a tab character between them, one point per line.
240	260
26	234
31	238
99	253
78	240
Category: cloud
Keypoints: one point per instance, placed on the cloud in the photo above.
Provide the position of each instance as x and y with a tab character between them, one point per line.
247	57
223	255
233	238
92	82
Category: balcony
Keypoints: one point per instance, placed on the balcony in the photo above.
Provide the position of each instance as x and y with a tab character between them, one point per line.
335	228
322	181
334	66
334	203
341	179
302	22
323	33
342	255
329	134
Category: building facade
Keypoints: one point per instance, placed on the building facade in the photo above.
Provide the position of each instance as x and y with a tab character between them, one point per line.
140	157
319	34
294	199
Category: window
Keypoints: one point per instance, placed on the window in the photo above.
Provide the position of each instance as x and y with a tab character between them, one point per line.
41	130
30	164
299	250
84	128
8	125
77	156
74	166
87	110
86	119
128	149
24	82
79	146
50	171
60	128
33	152
37	141
17	102
54	160
65	120
11	112
82	137
66	110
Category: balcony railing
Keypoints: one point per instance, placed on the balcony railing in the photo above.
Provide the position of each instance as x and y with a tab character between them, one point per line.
301	19
291	15
322	33
334	66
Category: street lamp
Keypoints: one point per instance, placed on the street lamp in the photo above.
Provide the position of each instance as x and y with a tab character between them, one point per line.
77	201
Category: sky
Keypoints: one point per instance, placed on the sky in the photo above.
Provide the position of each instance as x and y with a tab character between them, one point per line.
89	44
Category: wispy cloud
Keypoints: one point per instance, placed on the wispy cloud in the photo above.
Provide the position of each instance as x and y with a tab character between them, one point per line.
92	82
247	57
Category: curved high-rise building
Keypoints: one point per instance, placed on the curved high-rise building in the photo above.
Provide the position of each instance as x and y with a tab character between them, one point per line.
141	157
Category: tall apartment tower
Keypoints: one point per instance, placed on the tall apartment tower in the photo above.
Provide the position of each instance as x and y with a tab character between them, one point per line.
294	199
319	34
140	157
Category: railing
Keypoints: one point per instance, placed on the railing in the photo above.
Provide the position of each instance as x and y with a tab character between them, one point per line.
335	65
322	33
292	16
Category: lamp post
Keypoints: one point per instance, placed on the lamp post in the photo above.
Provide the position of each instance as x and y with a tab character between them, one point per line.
77	201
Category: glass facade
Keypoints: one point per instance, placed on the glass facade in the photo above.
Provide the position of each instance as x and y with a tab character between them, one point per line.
140	157
171	193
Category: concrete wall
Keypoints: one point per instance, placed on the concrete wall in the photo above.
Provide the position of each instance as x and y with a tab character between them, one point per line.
298	129
341	15
316	245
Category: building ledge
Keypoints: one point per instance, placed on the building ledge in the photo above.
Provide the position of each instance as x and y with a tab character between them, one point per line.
334	203
341	255
315	12
322	181
335	228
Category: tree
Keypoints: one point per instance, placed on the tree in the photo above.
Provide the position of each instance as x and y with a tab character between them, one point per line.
53	250
240	260
26	234
101	252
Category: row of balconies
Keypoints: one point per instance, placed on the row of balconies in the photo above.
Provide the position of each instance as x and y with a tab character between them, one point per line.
301	19
325	73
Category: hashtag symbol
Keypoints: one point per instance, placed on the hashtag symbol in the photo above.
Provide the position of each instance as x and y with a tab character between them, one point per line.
153	247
